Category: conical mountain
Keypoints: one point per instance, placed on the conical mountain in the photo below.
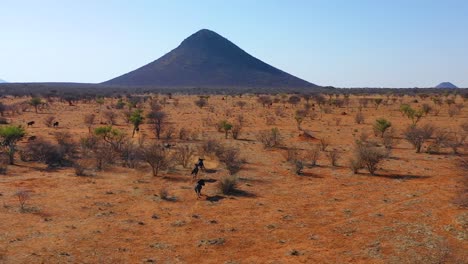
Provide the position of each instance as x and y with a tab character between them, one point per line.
446	85
206	59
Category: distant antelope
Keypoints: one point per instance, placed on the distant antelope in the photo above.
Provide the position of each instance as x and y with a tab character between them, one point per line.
30	123
56	124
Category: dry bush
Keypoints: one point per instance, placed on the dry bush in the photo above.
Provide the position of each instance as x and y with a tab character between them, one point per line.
183	154
270	120
227	185
241	104
298	166
418	135
201	102
49	121
23	196
359	118
337	121
461	199
292	154
110	117
184	134
130	154
327	109
333	156
81	167
279	112
211	147
367	155
231	157
89	121
312	155
389	139
164	194
270	138
157	157
44	151
169	133
324	143
453	110
4	161
126	114
236	129
455	141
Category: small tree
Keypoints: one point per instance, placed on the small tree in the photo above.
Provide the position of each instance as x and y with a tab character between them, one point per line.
418	135
3	108
299	117
156	156
264	100
35	101
158	121
89	121
137	119
226	127
23	196
333	155
110	116
294	100
359	118
202	102
9	136
270	138
100	102
183	155
377	102
236	129
381	125
324	142
313	155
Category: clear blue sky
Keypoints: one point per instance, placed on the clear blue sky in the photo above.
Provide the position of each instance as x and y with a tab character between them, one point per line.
347	43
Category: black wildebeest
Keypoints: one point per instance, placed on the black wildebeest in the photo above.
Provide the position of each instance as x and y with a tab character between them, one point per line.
56	124
199	187
200	164
195	171
30	123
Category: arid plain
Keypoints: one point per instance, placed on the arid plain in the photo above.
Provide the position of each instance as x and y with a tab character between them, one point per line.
283	209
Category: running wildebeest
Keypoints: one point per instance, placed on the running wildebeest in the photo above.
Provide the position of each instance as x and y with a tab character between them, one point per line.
195	171
56	124
199	187
30	123
200	164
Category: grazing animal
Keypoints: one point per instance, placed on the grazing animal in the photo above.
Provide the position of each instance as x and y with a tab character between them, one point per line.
343	113
56	124
31	138
30	123
195	172
198	187
200	164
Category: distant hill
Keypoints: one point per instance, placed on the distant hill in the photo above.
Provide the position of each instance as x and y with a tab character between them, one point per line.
206	59
2	81
446	85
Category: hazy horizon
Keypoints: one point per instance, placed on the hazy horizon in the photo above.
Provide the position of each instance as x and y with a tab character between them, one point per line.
337	43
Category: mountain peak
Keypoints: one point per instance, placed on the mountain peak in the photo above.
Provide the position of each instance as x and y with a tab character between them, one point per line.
446	85
207	59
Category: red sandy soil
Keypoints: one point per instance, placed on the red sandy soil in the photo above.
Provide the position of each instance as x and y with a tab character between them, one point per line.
405	214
